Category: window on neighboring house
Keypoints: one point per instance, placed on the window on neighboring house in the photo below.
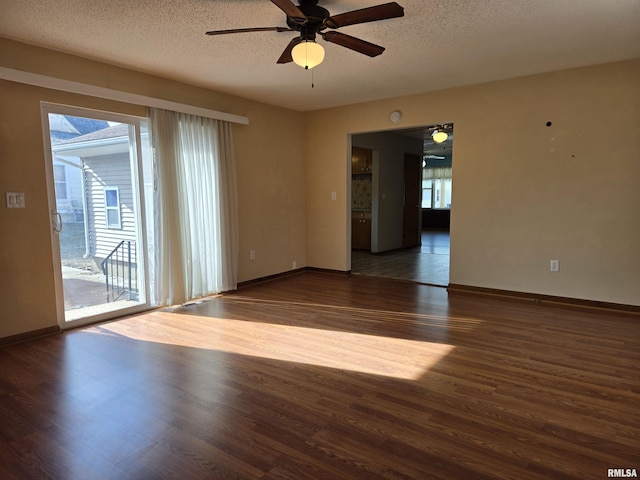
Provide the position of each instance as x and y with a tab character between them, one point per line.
112	207
436	187
60	175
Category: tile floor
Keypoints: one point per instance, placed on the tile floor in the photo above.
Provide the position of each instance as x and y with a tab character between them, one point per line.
428	263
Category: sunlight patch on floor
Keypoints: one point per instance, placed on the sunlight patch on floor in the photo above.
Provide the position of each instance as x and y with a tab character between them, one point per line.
370	354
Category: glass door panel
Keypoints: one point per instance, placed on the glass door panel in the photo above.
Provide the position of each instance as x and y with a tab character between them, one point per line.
97	215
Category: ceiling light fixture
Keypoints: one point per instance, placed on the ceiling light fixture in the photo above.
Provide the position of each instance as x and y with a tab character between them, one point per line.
439	136
308	54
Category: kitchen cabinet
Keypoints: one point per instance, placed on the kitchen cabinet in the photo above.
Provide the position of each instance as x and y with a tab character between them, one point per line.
361	230
361	161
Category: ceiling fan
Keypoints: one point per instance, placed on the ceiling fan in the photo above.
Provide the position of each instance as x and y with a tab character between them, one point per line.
310	20
440	133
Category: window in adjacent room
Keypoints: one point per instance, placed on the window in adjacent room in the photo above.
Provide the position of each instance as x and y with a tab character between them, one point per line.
436	187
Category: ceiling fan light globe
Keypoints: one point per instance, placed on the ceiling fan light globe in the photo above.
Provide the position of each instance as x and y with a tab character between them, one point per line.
439	136
308	54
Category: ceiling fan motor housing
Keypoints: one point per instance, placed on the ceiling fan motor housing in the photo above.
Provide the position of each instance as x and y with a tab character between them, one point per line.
316	16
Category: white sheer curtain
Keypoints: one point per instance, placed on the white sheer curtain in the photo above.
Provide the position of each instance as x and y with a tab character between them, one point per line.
195	203
436	173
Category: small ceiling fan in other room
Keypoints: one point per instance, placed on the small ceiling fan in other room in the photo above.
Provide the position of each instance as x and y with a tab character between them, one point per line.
310	20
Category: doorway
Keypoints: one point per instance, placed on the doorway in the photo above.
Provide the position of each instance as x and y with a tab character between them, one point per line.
427	261
96	201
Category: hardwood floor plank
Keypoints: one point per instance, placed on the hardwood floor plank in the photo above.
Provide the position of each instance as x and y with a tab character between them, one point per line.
320	376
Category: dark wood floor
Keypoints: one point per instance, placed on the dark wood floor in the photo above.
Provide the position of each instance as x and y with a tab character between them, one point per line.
318	376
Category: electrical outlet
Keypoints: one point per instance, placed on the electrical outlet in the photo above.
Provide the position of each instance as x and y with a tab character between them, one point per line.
554	265
252	255
294	265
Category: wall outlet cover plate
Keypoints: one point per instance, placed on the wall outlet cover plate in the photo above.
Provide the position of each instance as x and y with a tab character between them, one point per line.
15	200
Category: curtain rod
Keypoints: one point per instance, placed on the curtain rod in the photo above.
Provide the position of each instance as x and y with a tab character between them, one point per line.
70	86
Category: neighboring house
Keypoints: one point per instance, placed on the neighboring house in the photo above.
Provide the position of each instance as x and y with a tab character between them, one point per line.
103	162
67	169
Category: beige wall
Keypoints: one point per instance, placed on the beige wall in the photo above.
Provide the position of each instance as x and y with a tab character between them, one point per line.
271	191
523	193
270	168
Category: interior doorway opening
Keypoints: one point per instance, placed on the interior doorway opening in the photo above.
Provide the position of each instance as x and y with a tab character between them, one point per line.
394	192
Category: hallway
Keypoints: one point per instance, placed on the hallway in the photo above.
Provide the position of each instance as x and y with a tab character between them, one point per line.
428	263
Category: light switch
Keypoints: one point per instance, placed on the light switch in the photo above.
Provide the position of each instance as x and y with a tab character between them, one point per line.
15	200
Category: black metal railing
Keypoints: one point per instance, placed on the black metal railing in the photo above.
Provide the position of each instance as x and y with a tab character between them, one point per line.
120	272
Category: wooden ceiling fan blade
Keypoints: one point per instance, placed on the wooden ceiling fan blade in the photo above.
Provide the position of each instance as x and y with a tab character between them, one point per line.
286	55
364	15
243	30
353	43
293	12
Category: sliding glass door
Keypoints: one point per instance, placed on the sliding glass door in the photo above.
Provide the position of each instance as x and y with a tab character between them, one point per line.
96	197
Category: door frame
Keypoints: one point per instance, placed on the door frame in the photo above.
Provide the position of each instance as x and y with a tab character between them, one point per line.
46	108
417	128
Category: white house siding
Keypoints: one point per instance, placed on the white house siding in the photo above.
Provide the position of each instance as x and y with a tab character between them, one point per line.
108	171
71	207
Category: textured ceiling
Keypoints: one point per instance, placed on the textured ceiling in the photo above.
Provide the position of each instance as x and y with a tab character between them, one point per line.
436	45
